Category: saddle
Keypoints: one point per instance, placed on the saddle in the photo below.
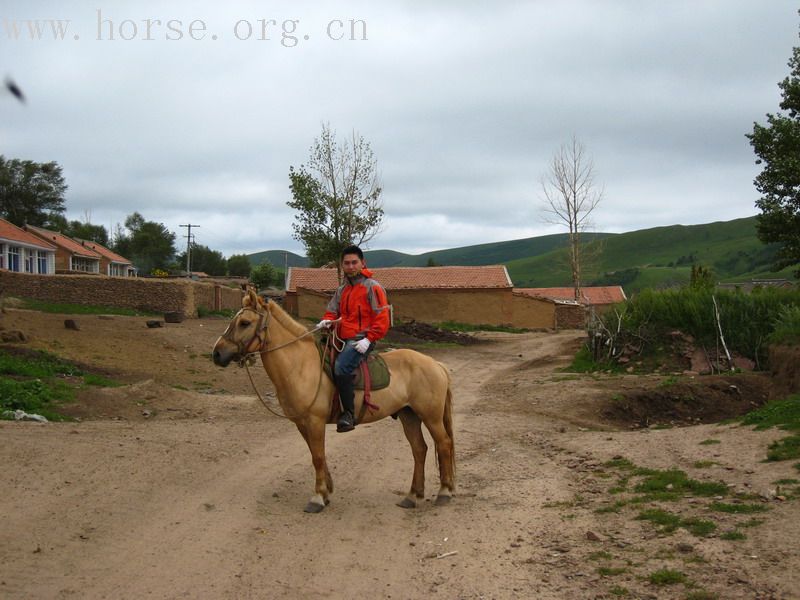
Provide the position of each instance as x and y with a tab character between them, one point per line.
372	374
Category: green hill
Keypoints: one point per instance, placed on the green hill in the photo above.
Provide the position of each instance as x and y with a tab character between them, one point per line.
656	257
659	257
278	259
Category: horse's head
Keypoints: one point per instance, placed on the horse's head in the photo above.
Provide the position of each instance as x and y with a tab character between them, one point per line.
246	333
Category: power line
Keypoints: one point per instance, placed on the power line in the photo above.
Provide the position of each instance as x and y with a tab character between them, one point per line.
189	238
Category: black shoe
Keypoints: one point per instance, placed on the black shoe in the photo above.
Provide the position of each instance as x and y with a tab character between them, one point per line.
347	422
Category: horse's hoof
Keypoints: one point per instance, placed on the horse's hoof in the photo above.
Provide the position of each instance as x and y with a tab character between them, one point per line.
313	507
407	503
442	500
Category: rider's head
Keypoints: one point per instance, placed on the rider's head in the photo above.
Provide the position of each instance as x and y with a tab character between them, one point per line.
352	261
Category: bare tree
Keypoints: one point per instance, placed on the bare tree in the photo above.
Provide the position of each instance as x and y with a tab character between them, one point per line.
571	195
337	196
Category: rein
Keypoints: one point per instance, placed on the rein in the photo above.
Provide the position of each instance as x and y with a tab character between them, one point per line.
248	358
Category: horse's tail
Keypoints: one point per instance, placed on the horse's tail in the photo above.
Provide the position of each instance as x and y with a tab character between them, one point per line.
448	426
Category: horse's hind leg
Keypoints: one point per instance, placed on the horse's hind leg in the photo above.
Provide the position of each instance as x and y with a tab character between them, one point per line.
412	427
444	454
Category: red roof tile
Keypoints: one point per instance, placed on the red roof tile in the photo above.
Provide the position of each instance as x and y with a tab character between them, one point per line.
9	231
407	278
592	296
103	251
62	241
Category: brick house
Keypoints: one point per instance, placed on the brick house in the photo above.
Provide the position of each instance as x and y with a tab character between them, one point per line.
71	256
474	295
23	252
111	263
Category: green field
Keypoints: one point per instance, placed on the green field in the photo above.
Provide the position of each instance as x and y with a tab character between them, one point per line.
659	257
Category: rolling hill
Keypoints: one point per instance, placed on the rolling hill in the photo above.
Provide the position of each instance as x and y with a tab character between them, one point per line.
655	257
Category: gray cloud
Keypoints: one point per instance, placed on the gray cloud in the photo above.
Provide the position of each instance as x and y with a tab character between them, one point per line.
463	103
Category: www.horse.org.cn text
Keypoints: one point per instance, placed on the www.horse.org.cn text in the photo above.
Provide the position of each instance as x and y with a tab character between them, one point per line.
107	27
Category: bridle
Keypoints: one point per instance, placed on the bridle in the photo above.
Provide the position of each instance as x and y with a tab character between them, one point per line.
247	358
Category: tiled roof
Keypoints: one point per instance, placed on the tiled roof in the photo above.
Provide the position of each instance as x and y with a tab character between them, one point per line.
592	296
407	278
62	241
9	231
103	251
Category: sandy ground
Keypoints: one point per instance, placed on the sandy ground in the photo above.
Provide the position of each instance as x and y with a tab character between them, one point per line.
180	485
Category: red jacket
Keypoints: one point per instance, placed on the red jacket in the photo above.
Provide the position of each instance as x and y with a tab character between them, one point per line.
362	306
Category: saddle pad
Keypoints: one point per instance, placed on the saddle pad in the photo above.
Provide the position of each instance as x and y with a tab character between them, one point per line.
378	372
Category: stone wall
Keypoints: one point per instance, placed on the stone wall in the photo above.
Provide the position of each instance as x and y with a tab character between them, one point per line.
154	295
570	316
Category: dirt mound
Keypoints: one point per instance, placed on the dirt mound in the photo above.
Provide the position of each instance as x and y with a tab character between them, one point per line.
429	333
705	400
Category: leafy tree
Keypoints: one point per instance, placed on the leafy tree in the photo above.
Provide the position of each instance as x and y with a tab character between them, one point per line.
701	277
431	262
87	231
149	245
336	196
263	275
30	192
571	195
239	265
204	259
777	146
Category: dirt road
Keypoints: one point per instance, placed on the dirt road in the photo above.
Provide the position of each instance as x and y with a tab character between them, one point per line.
174	490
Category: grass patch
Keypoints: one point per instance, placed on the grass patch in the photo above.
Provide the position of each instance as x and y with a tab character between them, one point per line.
674	482
752	523
669	522
610	508
698	527
733	536
778	413
460	327
785	449
738	509
710	442
34	397
100	381
583	362
667	577
35	382
704	464
64	308
619	591
611	571
701	595
787	481
601	555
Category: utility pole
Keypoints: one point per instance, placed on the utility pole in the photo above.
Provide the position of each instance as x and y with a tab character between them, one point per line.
189	238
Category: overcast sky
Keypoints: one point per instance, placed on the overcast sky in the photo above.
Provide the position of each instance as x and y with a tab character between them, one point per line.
463	103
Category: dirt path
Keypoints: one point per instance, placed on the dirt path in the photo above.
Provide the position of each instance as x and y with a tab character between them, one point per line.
203	499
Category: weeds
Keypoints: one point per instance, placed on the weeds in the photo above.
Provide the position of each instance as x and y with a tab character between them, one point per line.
710	442
738	509
667	577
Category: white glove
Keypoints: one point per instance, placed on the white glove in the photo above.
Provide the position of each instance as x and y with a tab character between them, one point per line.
362	345
324	324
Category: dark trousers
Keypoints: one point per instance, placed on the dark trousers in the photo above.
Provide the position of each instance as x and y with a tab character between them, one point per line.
346	364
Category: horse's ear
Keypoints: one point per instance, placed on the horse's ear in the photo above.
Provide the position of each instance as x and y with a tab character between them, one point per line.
253	297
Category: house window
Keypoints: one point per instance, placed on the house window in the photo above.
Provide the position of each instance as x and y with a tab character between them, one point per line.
84	265
41	258
13	258
28	259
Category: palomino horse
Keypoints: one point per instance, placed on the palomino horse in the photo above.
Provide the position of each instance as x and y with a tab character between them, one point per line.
419	393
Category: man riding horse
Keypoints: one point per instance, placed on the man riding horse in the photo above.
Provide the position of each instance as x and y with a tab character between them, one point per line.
362	311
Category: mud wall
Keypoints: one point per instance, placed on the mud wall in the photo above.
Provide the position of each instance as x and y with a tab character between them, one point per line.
155	295
533	313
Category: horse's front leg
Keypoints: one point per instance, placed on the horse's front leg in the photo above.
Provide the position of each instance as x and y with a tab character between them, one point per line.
313	432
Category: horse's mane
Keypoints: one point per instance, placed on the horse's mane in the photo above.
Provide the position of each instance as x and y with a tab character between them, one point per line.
286	319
